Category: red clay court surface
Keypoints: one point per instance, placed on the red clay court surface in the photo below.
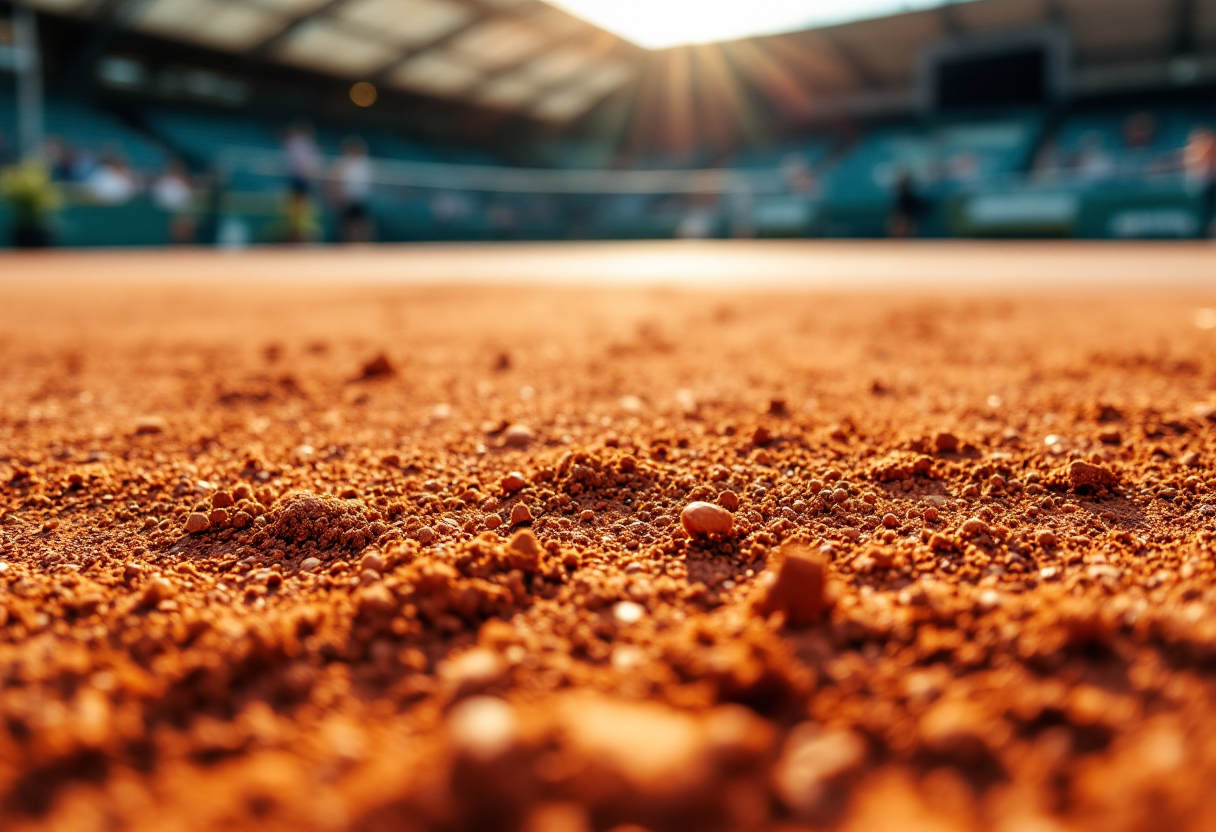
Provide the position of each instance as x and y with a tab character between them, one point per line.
397	538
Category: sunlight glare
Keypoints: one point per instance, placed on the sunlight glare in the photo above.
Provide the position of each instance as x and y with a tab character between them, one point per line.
656	24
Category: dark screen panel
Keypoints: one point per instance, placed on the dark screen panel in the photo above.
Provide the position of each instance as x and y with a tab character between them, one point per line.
1004	80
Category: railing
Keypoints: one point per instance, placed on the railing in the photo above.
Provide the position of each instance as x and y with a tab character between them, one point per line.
493	179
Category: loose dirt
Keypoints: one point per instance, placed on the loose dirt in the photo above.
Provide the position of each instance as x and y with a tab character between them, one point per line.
366	557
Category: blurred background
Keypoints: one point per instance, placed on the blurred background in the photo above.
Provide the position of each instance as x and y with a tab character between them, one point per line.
244	122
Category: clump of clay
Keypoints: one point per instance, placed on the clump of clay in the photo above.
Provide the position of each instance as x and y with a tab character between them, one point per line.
319	522
1083	474
378	367
798	589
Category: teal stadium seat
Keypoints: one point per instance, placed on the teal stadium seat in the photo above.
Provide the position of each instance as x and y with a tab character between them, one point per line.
87	129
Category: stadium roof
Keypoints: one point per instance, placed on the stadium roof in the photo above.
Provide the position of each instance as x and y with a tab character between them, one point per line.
528	56
871	66
508	54
882	53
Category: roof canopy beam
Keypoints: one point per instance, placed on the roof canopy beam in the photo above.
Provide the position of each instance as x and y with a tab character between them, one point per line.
481	16
952	24
119	13
555	39
1185	14
112	17
856	65
543	91
268	45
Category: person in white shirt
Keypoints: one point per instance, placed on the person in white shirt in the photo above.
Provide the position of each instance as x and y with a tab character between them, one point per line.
112	183
302	156
173	193
352	181
1094	163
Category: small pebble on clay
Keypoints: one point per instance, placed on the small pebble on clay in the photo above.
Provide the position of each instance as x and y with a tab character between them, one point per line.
156	590
482	727
702	519
628	612
520	514
815	767
974	526
473	671
524	551
513	482
524	542
197	522
518	436
150	425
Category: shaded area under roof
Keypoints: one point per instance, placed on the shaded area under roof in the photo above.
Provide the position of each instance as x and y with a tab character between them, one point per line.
522	56
529	57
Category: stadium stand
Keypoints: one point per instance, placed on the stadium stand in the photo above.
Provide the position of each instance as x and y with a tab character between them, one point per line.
1136	142
944	159
1097	153
201	137
90	130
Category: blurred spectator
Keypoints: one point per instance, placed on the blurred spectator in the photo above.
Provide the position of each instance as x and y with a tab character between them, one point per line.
799	178
172	192
907	209
352	178
1094	163
700	218
933	170
1199	163
303	157
65	162
697	224
28	192
503	219
303	164
297	218
449	209
963	167
53	150
1139	131
300	223
112	182
1048	162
